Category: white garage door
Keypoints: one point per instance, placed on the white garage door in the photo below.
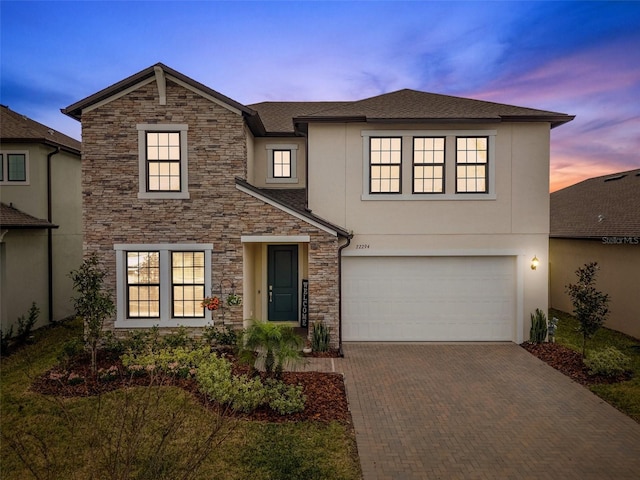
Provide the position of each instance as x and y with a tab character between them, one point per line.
429	298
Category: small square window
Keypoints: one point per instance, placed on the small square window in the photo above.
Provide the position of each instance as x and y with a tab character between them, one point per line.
282	163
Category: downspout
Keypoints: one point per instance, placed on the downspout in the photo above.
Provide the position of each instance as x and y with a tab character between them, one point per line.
340	352
50	235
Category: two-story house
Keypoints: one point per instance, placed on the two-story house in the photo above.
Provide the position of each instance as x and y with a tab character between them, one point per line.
407	216
40	219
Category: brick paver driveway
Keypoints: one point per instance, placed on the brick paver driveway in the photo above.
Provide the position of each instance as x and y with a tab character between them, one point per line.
448	411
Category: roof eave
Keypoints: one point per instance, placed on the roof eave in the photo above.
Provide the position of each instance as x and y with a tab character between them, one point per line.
44	141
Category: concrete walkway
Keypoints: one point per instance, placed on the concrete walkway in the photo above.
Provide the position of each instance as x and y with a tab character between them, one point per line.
478	411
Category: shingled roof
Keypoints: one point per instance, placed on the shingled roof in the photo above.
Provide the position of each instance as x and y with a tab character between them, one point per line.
403	105
17	128
12	218
598	207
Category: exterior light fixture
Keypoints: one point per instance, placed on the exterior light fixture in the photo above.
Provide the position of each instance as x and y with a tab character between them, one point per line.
534	263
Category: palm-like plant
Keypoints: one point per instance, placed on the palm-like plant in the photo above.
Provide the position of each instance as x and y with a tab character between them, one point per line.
273	344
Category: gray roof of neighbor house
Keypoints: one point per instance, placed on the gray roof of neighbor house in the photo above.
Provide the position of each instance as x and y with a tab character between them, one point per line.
12	218
17	128
598	207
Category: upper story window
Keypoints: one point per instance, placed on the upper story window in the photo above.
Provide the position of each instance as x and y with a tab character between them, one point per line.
282	163
385	156
163	162
428	164
15	168
472	159
162	284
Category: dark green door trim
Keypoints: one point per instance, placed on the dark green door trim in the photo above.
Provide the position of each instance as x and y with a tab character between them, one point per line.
282	282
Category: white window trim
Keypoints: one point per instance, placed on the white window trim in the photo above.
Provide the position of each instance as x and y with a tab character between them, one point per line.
294	162
5	167
165	250
143	128
449	165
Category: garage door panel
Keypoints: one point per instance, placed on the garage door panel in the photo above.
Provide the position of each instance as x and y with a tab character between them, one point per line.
428	298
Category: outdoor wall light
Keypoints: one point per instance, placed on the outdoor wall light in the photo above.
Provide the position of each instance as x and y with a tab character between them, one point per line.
534	263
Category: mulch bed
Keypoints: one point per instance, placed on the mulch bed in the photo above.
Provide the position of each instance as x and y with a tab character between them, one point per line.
325	392
569	362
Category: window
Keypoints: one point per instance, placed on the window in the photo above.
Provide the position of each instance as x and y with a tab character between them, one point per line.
187	283
143	284
471	164
14	168
428	164
282	163
163	161
162	284
385	164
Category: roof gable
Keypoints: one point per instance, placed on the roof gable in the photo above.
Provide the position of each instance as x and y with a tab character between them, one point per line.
158	73
598	207
19	128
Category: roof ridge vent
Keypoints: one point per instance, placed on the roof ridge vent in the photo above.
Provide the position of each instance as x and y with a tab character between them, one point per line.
616	177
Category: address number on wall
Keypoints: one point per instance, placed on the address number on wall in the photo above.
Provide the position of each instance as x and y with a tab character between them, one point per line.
362	245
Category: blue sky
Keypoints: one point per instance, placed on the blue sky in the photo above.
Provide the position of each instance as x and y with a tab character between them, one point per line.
581	58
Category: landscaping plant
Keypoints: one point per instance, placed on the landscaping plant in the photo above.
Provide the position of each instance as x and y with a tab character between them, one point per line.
320	337
273	344
589	304
93	304
609	362
538	331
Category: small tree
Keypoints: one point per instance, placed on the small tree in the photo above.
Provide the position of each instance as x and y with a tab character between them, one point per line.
589	305
93	304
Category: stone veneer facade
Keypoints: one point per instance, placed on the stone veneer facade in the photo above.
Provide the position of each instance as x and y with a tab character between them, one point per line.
216	212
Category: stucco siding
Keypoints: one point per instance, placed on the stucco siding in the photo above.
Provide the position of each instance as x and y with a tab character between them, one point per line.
617	276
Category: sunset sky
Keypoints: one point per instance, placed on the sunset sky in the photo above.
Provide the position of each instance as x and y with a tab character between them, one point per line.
580	58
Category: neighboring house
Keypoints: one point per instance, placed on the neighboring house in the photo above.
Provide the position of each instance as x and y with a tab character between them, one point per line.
598	220
40	219
412	216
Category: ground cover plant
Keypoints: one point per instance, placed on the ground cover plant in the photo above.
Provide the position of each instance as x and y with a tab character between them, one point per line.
621	388
59	421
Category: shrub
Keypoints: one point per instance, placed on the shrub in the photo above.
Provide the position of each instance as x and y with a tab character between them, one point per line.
177	339
283	398
275	345
320	337
226	336
25	325
538	331
244	394
609	362
5	340
70	349
179	361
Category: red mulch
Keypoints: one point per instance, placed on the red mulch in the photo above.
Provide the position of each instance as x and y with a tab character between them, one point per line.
326	396
569	362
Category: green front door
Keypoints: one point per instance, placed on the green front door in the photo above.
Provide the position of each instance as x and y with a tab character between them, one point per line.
283	282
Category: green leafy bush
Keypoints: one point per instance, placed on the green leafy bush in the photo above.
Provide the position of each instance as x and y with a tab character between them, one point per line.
283	398
609	362
179	361
5	340
273	345
25	325
225	336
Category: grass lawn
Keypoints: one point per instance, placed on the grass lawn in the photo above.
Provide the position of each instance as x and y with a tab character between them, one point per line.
625	396
153	432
